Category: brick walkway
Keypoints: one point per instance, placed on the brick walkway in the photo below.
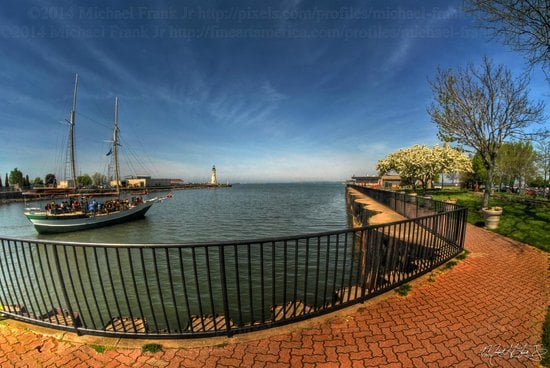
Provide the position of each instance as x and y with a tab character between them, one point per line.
496	296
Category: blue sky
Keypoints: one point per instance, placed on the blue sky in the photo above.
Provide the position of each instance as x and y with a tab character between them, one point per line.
284	91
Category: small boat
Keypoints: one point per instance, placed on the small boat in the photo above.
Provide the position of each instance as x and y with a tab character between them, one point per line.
85	213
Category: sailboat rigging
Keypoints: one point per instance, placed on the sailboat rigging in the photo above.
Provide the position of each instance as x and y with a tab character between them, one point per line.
86	213
71	134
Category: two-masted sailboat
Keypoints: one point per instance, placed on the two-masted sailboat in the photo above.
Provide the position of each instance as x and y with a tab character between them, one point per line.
85	213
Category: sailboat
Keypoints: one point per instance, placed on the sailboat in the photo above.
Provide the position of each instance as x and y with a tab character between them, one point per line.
85	213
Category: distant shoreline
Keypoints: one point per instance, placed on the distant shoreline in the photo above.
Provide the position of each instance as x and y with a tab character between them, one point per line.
17	196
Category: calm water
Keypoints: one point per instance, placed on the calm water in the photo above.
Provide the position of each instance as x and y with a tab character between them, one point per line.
241	212
170	285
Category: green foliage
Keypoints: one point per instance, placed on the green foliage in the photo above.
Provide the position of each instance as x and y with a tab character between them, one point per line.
151	348
543	160
16	177
50	180
7	182
38	181
98	348
99	179
463	255
524	222
84	180
538	182
478	175
450	265
404	289
515	162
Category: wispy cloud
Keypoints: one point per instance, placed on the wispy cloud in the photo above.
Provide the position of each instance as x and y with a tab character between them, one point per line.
410	36
243	105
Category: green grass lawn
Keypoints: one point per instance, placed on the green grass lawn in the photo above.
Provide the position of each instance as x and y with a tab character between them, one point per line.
527	223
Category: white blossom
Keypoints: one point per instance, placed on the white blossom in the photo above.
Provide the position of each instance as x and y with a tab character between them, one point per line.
422	163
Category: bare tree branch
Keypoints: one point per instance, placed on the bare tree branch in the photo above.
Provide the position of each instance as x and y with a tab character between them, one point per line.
482	108
523	24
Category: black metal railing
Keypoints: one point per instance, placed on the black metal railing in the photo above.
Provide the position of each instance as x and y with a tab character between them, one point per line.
194	290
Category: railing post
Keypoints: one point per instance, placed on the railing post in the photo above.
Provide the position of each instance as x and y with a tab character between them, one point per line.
223	281
464	219
64	290
363	264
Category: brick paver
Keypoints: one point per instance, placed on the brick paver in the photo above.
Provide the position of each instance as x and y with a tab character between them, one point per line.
497	296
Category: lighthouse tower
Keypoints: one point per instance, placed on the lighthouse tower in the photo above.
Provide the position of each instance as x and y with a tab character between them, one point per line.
214	181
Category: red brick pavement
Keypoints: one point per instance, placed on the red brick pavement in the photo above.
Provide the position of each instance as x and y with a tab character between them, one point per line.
498	295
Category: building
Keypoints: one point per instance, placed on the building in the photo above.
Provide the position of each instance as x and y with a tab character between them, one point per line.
214	180
121	183
177	182
148	182
390	181
138	182
366	181
384	182
64	184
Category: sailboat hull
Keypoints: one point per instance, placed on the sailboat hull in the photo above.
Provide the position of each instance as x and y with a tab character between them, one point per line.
47	224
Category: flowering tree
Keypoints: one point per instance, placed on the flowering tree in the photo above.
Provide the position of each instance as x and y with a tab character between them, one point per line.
422	163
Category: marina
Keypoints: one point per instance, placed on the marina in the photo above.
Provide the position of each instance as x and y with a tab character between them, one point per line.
192	217
243	211
209	288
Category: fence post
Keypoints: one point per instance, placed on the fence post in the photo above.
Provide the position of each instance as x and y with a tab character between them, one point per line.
363	264
223	281
64	289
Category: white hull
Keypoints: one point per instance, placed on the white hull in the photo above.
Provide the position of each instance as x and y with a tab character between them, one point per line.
60	224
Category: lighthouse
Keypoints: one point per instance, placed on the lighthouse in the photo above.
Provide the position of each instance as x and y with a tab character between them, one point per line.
214	180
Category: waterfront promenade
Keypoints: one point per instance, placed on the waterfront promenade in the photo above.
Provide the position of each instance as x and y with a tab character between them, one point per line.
496	296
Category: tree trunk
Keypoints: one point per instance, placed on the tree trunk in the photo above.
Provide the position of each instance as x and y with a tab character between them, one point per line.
424	184
488	187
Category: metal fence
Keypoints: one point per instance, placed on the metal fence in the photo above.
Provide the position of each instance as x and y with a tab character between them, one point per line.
197	290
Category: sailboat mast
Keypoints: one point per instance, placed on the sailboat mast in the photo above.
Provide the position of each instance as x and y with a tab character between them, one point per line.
71	134
115	148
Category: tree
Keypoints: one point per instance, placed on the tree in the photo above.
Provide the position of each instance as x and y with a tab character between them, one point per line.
1	182
84	180
481	108
515	163
452	177
524	25
16	177
50	180
422	163
99	179
543	158
6	181
477	175
538	182
27	182
38	181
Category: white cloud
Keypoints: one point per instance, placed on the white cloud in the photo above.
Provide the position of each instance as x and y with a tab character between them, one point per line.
245	105
411	35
